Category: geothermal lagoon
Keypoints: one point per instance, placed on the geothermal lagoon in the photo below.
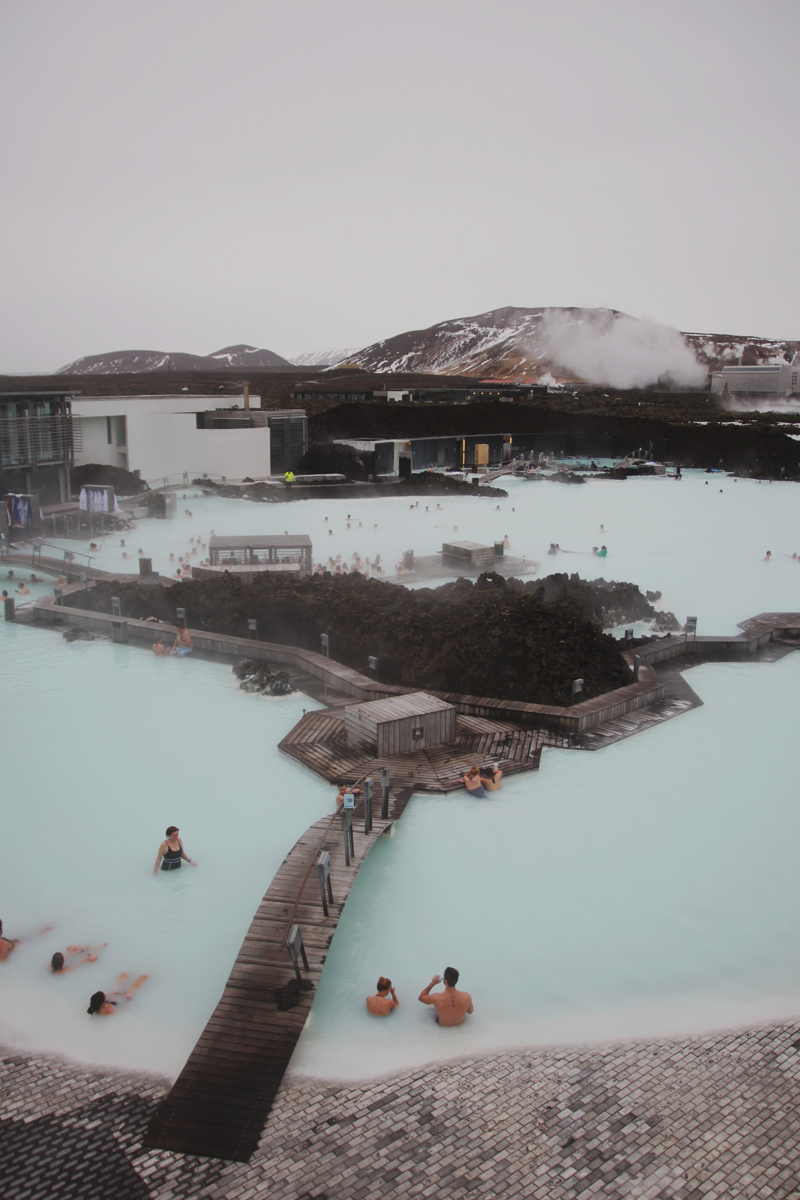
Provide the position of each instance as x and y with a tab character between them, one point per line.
650	887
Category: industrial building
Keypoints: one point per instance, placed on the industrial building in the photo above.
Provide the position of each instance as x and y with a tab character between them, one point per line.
774	379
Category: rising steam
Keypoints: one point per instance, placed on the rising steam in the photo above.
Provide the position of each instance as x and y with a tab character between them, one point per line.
619	350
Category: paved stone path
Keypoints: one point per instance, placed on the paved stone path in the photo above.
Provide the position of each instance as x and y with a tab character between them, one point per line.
689	1119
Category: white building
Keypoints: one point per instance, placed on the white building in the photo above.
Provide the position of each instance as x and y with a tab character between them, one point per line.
776	379
159	436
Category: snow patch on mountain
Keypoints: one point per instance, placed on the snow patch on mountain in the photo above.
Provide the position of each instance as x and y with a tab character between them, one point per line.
323	358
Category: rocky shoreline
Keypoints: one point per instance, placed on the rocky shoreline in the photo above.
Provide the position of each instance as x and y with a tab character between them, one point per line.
508	639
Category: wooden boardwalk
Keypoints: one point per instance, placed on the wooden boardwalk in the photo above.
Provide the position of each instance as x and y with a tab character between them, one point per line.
318	742
221	1100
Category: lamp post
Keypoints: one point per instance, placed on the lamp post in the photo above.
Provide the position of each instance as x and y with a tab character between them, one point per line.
325	643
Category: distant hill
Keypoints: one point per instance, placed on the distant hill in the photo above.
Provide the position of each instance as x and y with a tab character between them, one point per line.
123	362
559	345
323	358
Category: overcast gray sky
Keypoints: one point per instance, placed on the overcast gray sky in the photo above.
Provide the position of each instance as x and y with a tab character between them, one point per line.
186	174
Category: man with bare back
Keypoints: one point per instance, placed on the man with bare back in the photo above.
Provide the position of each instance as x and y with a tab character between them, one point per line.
451	1005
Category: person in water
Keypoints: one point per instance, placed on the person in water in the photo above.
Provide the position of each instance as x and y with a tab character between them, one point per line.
59	963
182	644
171	852
451	1005
474	784
158	646
23	591
602	552
105	1004
490	778
6	944
384	1001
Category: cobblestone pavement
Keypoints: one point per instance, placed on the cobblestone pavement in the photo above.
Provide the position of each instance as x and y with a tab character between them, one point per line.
700	1117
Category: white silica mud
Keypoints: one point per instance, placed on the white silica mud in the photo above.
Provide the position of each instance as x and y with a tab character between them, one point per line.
700	541
644	888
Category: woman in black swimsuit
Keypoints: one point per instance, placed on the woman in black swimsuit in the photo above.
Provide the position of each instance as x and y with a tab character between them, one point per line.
171	851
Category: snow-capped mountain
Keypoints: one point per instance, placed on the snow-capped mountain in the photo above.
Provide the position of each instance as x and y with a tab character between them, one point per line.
132	361
596	345
323	358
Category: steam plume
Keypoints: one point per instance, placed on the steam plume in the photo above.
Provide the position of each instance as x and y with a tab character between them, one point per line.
619	350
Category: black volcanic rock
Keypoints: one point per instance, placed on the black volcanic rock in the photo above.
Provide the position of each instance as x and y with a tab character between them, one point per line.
494	637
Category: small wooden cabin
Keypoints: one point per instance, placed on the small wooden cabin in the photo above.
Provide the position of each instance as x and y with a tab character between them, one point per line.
400	724
471	555
252	555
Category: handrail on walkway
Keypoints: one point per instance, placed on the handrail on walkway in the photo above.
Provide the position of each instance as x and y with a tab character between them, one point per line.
302	887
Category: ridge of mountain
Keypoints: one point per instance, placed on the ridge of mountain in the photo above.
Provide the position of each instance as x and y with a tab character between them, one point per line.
552	345
561	345
122	362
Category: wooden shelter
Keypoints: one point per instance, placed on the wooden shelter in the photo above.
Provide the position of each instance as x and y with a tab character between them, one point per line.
468	554
255	554
400	724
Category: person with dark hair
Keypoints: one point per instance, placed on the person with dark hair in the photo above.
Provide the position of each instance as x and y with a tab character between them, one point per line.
451	1005
343	788
58	961
172	852
490	778
382	1004
105	1004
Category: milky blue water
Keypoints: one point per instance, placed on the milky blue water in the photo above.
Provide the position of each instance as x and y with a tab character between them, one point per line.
647	887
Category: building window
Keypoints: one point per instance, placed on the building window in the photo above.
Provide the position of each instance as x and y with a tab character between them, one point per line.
108	429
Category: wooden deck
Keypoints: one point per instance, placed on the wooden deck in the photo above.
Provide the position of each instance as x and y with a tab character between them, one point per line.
318	742
221	1100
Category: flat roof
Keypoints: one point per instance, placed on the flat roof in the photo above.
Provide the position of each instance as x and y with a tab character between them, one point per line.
259	541
396	708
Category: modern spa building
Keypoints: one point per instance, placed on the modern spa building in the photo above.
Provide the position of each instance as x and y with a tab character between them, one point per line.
36	445
161	436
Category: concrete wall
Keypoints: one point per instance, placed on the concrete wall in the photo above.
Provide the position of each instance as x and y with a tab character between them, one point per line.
95	444
158	436
161	444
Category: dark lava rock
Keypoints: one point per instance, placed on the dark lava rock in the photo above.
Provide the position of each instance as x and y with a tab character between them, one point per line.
257	677
565	477
666	622
76	634
495	637
328	458
124	483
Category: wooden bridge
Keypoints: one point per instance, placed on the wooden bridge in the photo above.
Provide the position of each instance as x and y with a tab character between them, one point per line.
220	1102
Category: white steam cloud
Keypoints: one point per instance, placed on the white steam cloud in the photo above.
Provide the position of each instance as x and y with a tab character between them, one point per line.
619	350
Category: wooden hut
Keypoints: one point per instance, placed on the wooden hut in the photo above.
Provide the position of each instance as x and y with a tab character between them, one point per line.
255	554
400	724
470	555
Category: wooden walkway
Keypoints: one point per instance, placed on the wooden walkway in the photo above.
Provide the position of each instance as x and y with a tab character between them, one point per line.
221	1100
318	742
